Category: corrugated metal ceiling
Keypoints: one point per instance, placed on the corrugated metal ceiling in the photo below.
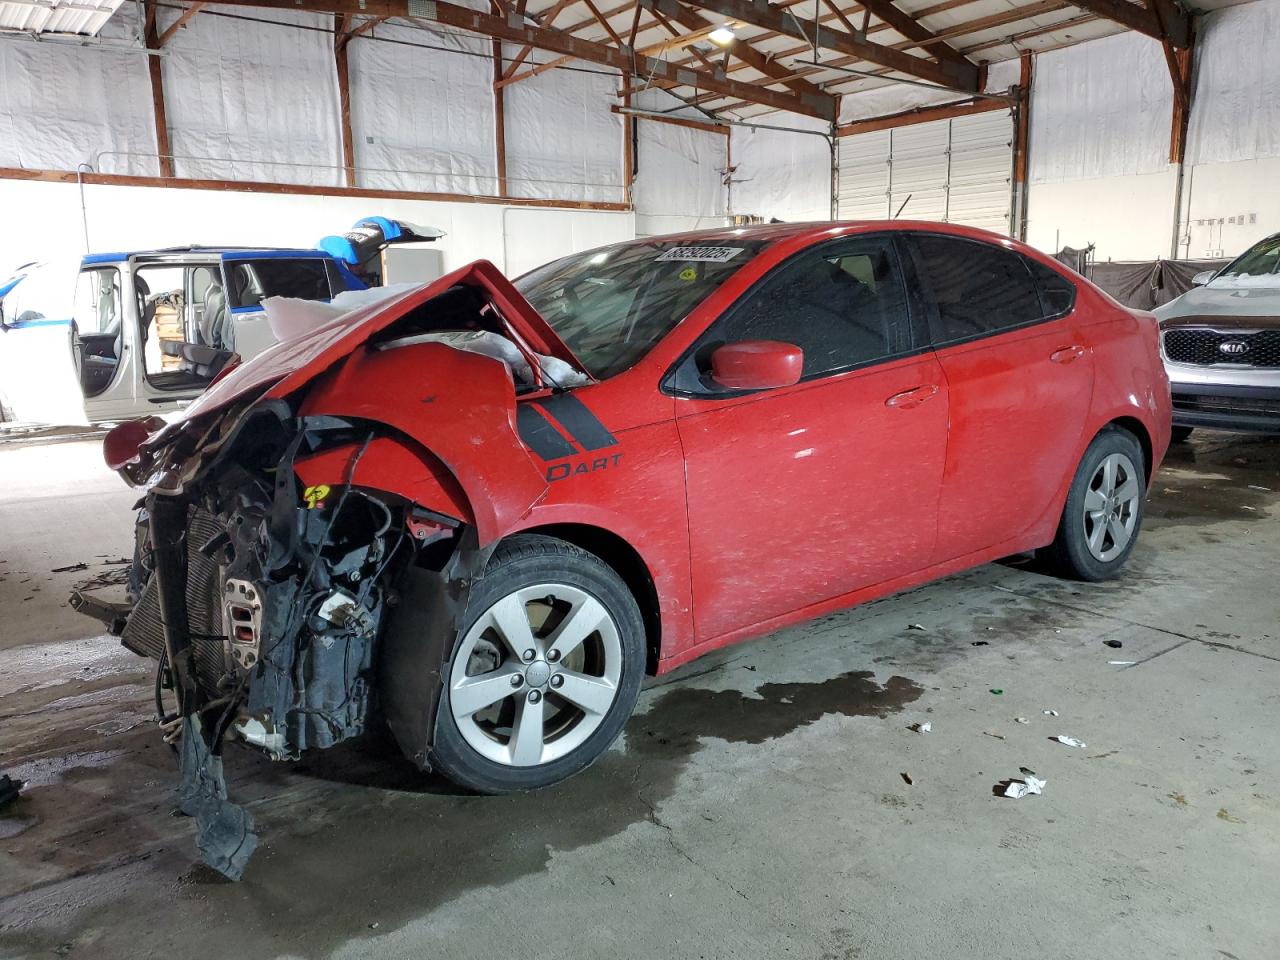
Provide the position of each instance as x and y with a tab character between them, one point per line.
79	17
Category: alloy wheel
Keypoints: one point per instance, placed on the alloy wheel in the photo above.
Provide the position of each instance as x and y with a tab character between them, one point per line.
536	674
1111	507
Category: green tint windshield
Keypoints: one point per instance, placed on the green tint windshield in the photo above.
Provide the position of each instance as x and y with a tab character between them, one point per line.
610	306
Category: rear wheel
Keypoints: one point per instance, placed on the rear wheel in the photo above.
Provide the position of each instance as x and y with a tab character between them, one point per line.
546	672
1181	434
1103	513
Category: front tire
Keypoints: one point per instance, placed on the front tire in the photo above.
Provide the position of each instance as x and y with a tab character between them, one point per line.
546	671
1104	509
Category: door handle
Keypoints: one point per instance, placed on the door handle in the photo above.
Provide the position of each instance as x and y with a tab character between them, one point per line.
1067	354
913	397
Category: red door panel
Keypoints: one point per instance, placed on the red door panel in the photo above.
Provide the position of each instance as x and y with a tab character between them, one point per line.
803	494
1019	401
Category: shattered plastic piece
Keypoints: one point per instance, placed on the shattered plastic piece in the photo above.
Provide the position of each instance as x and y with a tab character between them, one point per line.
1017	789
979	643
998	691
1254	486
1114	644
921	727
1021	720
225	835
906	778
992	733
1070	741
1050	713
9	790
70	568
915	626
1121	663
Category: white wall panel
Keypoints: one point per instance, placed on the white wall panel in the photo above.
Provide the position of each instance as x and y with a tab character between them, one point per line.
125	218
679	172
779	174
254	99
62	105
1128	218
1100	109
864	176
422	118
1236	103
562	139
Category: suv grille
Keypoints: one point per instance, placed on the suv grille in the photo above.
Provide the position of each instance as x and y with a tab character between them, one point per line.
1204	347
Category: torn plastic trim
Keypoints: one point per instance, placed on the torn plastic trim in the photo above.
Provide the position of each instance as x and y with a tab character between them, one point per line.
225	833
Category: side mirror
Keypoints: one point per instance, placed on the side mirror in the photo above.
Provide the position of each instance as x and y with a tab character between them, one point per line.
1203	277
757	365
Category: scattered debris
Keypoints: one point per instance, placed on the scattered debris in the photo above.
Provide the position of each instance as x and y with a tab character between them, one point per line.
1250	509
1114	644
1017	789
1070	741
1254	486
1050	713
71	568
1179	799
9	790
921	727
915	626
1021	720
1121	663
906	778
979	643
1223	815
991	733
998	691
374	925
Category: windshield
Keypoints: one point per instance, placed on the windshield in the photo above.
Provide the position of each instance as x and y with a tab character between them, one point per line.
1260	260
611	306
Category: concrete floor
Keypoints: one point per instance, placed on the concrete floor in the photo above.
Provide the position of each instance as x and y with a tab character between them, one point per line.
758	805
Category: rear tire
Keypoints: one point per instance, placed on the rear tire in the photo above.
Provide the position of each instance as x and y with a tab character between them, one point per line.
546	671
1103	512
1180	434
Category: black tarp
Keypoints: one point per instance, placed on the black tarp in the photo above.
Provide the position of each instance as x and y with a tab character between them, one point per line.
1143	284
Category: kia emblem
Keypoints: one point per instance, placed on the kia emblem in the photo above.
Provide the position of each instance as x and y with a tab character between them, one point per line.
1233	347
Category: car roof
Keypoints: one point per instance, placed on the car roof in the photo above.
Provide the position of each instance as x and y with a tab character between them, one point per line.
817	229
259	253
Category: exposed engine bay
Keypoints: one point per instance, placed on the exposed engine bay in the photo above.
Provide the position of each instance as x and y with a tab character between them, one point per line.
301	567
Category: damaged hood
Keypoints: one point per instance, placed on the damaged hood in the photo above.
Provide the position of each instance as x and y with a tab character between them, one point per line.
287	366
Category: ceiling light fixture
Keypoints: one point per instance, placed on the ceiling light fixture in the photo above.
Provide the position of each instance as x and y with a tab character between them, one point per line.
722	36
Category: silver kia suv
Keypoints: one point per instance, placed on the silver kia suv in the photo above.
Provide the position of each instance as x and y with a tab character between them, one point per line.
1221	345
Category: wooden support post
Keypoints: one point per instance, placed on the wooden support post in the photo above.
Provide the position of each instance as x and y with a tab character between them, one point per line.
341	41
628	141
164	150
499	119
1021	148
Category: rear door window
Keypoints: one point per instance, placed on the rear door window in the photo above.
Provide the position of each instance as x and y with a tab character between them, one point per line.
252	281
975	289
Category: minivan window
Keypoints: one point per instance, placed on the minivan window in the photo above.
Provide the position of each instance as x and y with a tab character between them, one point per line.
252	281
976	288
97	303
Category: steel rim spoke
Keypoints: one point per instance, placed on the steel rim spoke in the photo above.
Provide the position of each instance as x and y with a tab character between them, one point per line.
526	734
474	694
594	695
582	621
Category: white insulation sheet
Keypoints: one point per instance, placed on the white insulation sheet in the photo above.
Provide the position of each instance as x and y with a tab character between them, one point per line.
422	113
1100	109
679	171
62	105
781	174
562	139
253	99
1236	103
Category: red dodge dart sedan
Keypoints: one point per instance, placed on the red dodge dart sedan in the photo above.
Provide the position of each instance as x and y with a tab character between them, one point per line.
484	510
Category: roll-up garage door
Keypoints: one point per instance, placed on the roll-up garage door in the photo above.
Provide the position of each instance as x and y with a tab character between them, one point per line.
956	171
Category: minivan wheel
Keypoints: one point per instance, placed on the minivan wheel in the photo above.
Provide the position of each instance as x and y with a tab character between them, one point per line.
546	671
1104	508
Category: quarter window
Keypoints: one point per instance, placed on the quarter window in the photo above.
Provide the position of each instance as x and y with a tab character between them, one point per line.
976	289
1057	293
843	304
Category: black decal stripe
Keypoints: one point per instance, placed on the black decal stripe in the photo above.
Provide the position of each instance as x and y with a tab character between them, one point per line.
578	421
539	435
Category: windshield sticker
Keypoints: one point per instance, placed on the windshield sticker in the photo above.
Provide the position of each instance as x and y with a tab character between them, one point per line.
700	254
689	273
